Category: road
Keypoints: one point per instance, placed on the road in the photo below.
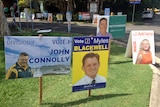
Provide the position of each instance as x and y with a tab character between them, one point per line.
88	28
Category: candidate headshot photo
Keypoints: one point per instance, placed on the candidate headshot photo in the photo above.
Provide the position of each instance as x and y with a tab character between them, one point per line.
103	26
144	55
90	67
20	69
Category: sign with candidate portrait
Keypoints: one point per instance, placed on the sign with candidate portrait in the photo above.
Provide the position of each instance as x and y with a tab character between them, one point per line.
95	19
115	25
143	47
89	63
45	55
84	15
102	23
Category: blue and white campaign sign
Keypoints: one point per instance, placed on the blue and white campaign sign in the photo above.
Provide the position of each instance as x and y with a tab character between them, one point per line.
134	1
48	55
107	11
68	16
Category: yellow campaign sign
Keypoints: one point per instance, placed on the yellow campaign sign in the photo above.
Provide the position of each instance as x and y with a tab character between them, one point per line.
89	63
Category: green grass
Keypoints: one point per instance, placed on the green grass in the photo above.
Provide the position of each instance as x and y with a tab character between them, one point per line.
128	85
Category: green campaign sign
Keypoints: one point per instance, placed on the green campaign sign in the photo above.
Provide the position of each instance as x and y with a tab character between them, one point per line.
117	26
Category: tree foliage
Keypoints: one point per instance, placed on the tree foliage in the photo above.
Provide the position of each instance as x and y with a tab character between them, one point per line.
23	3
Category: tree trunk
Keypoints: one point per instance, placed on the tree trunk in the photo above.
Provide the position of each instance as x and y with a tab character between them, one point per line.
101	7
4	29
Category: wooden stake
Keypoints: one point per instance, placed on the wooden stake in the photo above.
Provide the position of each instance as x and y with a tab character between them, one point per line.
40	90
89	93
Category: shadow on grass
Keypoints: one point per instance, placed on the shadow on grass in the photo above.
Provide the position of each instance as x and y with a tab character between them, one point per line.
2	75
1	43
2	59
85	100
119	62
117	49
2	68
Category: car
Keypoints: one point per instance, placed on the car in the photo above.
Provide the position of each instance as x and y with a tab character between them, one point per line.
147	14
156	10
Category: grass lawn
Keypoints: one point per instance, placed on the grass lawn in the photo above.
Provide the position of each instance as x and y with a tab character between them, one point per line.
128	85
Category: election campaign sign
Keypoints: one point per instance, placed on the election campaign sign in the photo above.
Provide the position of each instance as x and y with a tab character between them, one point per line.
38	55
90	63
134	1
117	26
100	17
143	47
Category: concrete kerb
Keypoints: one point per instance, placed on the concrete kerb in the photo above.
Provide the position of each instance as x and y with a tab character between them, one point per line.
155	87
